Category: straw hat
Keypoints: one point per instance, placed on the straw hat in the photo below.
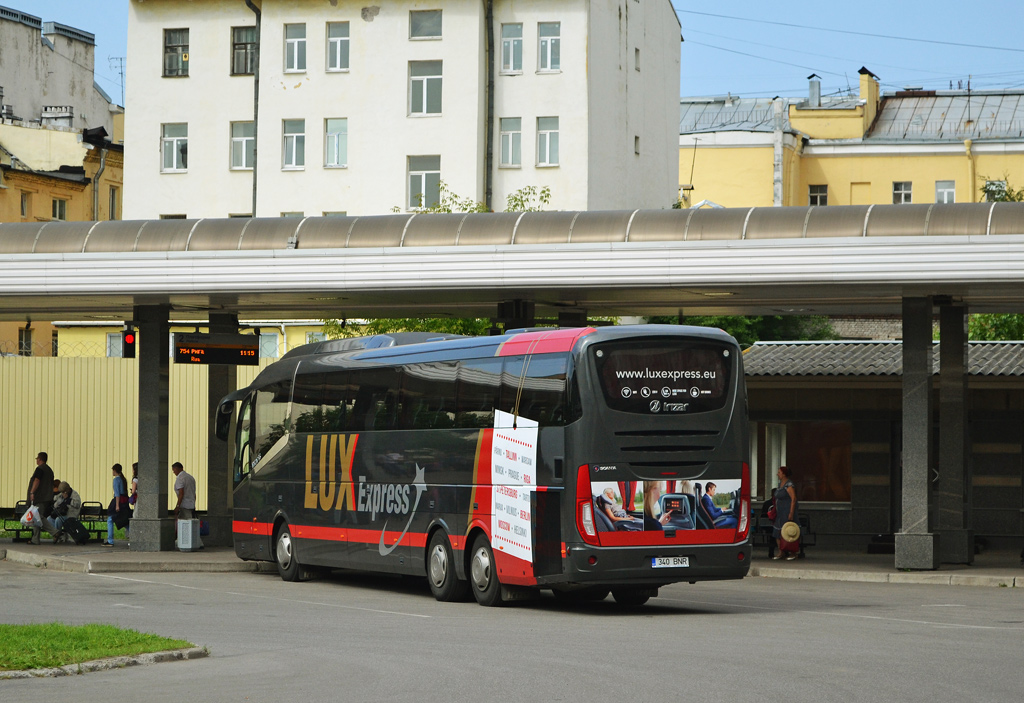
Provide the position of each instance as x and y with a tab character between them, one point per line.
791	532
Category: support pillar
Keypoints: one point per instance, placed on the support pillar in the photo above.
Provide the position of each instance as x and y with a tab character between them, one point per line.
953	495
151	529
516	314
916	545
222	380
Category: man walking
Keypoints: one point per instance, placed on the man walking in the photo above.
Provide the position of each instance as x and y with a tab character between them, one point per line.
40	492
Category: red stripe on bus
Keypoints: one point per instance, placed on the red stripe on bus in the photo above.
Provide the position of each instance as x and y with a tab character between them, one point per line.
240	527
547	342
513	570
657	538
357	536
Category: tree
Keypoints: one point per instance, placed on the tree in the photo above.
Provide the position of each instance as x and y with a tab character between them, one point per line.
995	327
772	328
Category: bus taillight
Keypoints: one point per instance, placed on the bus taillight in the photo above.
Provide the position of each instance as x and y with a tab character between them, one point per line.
743	525
585	507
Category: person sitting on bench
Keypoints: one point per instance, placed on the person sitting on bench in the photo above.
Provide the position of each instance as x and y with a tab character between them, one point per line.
67	504
719	516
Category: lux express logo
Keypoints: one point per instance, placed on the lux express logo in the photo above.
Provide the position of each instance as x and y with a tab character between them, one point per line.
660	374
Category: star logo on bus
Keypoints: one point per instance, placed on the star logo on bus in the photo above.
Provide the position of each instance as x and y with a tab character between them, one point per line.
421	486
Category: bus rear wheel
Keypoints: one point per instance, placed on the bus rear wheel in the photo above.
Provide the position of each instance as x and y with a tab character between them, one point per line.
284	556
582	595
633	596
483	574
444	584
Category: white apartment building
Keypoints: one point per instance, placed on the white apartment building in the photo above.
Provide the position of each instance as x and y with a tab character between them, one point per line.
363	109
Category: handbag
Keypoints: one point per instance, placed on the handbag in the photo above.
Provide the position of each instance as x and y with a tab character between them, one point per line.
772	512
31	518
122	516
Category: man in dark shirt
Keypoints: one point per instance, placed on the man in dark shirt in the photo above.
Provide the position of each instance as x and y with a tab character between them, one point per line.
40	491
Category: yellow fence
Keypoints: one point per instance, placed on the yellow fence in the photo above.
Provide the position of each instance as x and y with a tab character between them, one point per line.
83	413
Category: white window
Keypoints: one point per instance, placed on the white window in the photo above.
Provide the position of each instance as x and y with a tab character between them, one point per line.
243	51
60	209
425	24
901	192
336	142
315	337
26	203
511	142
175	52
550	57
424	181
268	345
945	191
174	145
817	195
25	341
294	144
424	87
294	48
112	203
114	346
337	46
547	141
243	146
511	48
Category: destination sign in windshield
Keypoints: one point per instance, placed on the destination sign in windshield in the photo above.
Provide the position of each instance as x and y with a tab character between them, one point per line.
659	376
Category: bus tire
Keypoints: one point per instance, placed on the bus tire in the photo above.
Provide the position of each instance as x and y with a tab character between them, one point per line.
632	596
285	557
483	574
444	584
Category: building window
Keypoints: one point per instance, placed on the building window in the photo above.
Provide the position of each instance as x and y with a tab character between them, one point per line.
337	46
335	213
900	192
424	181
424	87
293	214
114	348
243	51
315	337
511	48
175	52
511	142
425	24
636	145
550	58
636	59
995	191
945	191
547	141
53	344
174	138
60	209
822	449
26	204
243	145
112	203
336	142
25	341
268	345
294	48
817	195
294	144
172	217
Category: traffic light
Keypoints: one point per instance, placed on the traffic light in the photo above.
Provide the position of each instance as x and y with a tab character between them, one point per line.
128	343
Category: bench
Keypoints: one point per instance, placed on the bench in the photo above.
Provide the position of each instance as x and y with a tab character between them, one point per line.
93	517
12	522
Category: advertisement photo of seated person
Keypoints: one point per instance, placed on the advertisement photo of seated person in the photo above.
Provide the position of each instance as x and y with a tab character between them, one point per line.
718	517
611	516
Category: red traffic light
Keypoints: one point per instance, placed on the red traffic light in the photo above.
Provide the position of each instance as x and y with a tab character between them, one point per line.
128	344
129	338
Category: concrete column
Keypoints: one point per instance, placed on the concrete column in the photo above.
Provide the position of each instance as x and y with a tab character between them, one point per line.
222	380
151	529
916	545
953	495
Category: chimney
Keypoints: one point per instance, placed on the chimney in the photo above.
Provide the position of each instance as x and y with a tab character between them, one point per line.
814	90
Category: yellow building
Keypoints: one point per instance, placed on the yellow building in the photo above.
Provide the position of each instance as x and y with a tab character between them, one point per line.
913	146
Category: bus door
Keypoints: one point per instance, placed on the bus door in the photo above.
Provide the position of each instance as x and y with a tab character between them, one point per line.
250	542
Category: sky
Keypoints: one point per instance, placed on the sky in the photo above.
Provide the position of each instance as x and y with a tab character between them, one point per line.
752	49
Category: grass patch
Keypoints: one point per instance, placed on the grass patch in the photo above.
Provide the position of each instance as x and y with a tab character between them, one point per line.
54	644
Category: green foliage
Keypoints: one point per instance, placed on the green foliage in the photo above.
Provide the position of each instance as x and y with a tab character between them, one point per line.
528	199
1000	191
995	327
747	330
56	644
468	326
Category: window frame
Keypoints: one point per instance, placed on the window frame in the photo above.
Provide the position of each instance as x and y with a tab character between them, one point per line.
425	90
180	50
334	137
26	204
112	201
544	142
59	209
423	174
295	49
509	46
510	135
25	341
549	46
115	348
336	43
902	192
819	198
177	142
248	49
247	144
266	339
943	188
298	146
426	37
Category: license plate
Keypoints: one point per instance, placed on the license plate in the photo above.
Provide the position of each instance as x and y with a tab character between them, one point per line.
668	562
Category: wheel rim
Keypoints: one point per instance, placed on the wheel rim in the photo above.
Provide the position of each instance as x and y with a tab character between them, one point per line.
481	569
284	550
438	566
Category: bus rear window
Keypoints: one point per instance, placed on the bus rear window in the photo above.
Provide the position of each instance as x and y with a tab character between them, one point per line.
658	376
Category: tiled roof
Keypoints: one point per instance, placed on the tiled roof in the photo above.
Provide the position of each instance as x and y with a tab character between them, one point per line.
870	359
950	115
729	114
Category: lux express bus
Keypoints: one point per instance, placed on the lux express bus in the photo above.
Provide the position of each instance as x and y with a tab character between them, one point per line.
578	460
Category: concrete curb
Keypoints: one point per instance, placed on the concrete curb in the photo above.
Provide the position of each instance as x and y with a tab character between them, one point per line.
915	577
109	663
100	566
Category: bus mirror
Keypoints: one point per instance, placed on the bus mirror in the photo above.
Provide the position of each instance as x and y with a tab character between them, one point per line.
223	421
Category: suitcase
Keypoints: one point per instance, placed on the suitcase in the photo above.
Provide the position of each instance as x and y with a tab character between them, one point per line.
188	535
76	530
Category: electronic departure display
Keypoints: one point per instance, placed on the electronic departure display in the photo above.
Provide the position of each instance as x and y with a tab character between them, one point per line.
234	349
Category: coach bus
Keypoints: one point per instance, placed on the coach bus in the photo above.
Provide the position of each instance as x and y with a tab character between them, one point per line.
582	461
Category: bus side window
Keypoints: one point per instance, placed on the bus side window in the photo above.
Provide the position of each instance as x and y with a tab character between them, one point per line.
271	417
477	390
243	453
542	395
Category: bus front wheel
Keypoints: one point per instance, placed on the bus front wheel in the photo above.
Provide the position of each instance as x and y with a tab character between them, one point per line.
483	575
445	586
284	556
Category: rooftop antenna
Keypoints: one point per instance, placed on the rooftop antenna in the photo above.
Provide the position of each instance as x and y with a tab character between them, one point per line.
116	63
